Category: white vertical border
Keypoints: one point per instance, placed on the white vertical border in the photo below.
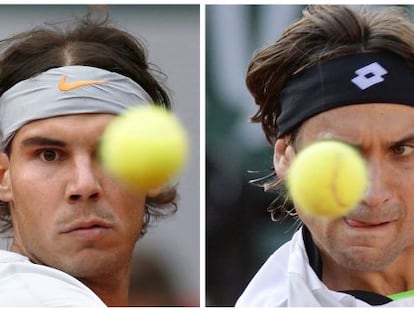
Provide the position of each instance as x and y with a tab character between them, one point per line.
202	155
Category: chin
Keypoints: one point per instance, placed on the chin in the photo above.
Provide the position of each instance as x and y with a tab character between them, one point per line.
366	260
86	265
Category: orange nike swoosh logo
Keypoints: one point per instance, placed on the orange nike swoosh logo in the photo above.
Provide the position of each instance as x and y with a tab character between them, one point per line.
68	86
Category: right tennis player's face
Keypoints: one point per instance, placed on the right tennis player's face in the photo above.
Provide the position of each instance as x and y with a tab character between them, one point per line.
376	240
67	212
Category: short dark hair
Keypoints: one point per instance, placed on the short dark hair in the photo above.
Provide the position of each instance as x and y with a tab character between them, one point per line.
89	41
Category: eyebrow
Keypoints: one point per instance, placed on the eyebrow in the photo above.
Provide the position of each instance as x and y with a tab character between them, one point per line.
42	141
408	138
405	139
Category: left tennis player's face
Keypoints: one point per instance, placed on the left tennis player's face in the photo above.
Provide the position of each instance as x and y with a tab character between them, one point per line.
67	212
378	235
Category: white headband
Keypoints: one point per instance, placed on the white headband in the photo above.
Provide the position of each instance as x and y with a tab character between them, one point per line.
64	91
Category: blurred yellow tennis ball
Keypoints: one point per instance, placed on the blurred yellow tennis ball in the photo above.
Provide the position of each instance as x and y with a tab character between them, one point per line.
144	147
327	178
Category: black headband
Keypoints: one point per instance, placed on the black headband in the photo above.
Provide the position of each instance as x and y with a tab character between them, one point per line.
353	79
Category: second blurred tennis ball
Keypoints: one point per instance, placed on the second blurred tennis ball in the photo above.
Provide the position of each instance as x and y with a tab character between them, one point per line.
144	147
327	178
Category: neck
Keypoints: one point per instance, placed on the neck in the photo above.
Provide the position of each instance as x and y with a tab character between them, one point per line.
112	291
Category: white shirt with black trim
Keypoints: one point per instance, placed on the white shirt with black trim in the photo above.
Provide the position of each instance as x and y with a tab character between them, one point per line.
287	280
25	284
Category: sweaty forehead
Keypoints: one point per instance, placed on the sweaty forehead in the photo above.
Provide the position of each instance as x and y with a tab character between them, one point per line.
391	122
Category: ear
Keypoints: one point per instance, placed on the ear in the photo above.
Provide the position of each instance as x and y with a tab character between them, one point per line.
6	193
283	157
153	192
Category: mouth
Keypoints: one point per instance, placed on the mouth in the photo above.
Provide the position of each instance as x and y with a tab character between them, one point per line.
88	230
353	223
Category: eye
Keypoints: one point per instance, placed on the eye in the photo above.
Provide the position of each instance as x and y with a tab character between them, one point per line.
49	155
403	150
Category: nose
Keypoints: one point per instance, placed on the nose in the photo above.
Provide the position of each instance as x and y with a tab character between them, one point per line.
83	184
378	191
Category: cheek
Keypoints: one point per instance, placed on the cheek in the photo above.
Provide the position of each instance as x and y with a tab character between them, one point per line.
32	220
35	199
133	211
319	227
137	209
33	190
129	207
